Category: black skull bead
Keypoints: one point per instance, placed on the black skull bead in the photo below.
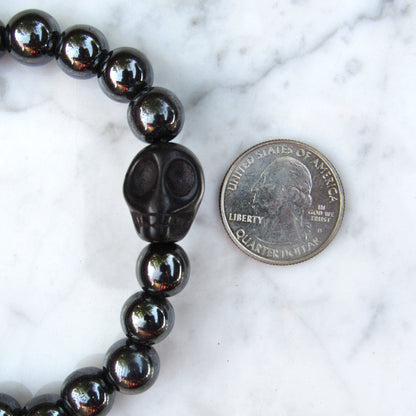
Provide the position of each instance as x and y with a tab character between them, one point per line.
163	189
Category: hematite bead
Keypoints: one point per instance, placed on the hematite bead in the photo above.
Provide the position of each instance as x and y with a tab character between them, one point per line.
32	36
163	269
157	115
45	405
87	393
125	74
81	51
8	405
132	367
147	318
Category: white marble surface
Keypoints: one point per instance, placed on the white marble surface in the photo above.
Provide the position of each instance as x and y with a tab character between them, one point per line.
335	335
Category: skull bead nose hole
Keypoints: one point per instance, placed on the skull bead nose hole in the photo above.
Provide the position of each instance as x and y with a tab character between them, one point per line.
145	177
180	178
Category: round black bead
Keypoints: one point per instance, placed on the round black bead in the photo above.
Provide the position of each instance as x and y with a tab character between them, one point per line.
163	268
32	37
132	367
45	405
147	318
125	74
87	393
2	38
81	51
157	115
9	406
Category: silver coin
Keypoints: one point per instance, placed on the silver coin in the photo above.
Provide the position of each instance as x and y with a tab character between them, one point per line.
282	202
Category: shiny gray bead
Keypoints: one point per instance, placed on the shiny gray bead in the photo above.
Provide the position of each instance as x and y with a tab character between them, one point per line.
156	115
9	405
163	269
147	318
32	36
132	367
45	405
126	72
82	50
87	393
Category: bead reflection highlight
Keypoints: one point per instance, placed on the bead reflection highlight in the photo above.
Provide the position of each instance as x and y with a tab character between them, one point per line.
87	392
45	405
155	116
125	74
82	48
163	269
132	367
147	318
32	37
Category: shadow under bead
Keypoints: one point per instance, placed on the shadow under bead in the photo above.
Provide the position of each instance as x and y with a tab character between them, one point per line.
163	269
126	73
163	188
87	393
147	318
132	367
156	115
81	51
45	405
32	36
9	406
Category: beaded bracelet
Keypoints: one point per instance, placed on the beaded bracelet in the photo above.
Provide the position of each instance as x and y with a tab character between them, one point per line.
163	189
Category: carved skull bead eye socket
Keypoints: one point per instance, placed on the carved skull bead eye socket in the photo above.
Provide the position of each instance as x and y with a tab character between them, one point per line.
145	177
180	177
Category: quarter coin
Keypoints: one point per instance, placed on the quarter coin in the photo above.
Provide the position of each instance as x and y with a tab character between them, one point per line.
282	202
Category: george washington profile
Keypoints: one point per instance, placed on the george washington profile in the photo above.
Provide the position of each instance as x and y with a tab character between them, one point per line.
282	194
